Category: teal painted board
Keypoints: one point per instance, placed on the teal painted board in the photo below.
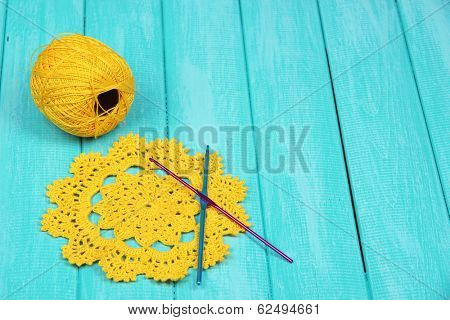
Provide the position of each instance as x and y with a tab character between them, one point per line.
307	207
399	202
135	32
2	30
427	24
207	92
33	153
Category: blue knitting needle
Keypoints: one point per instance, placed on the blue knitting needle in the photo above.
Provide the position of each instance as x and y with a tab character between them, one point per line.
204	204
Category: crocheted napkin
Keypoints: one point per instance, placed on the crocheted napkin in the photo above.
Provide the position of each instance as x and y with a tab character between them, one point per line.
148	209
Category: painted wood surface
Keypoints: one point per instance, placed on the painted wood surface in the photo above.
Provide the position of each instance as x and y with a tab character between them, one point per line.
398	198
307	206
376	145
2	31
427	24
33	153
206	88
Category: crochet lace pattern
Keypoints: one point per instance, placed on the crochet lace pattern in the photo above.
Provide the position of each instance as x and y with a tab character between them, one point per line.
147	209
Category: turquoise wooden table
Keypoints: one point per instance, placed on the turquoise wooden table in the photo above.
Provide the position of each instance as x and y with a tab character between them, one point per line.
364	216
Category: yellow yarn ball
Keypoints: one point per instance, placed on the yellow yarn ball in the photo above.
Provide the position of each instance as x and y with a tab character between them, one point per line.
82	85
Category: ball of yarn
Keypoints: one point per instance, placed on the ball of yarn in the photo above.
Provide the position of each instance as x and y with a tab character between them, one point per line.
82	85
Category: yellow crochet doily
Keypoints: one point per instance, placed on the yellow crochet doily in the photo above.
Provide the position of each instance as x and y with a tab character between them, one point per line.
148	209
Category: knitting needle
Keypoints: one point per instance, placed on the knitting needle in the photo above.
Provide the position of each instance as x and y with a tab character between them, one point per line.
228	215
204	204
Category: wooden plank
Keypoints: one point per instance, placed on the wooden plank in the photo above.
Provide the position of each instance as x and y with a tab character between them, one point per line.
2	31
33	153
133	29
426	24
287	64
400	205
206	88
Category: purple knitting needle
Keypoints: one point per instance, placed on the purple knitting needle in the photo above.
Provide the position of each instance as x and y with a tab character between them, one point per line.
228	215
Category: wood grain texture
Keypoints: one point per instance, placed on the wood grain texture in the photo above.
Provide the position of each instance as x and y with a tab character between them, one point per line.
33	153
399	201
2	30
133	29
427	24
307	208
206	88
